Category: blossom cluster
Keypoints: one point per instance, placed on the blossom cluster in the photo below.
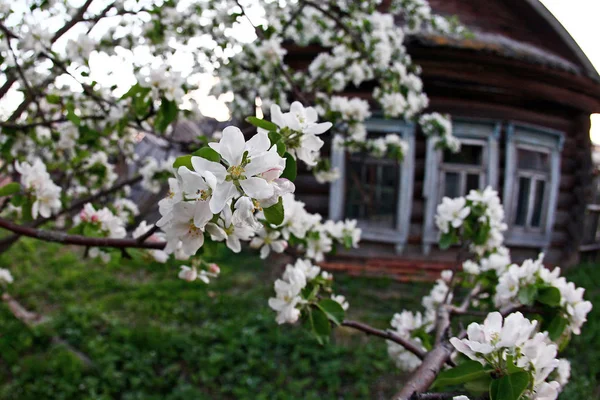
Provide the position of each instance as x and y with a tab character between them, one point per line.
523	284
99	223
417	326
220	198
408	325
38	184
480	214
290	294
439	128
515	343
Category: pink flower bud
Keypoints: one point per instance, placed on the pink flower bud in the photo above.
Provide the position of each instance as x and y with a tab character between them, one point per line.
214	268
188	274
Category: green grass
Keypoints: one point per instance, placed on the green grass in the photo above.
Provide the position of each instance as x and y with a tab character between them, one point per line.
153	336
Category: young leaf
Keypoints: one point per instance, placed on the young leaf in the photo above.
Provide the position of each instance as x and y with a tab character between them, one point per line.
208	153
465	372
166	114
183	161
479	386
527	295
274	214
320	325
10	189
557	327
447	240
291	168
550	296
261	123
281	149
509	387
333	310
275	137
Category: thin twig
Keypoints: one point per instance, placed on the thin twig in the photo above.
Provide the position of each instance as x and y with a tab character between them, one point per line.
406	343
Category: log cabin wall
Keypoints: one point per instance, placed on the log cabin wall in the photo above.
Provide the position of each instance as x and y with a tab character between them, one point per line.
496	75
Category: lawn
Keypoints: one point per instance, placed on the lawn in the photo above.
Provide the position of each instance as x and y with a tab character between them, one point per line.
150	335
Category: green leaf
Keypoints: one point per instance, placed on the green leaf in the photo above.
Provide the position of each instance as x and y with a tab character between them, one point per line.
291	168
275	137
527	295
71	116
132	91
208	153
261	123
550	296
447	240
274	214
557	327
281	148
333	310
183	161
509	387
166	114
479	386
320	325
53	98
466	372
10	189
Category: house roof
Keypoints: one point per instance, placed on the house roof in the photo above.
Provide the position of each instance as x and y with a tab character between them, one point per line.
589	68
501	45
519	29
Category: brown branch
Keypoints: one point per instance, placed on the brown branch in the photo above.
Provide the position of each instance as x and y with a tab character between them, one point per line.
406	343
72	22
61	237
7	241
424	376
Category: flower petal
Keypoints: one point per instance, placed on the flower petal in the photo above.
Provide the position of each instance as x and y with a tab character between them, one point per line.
221	195
232	145
257	188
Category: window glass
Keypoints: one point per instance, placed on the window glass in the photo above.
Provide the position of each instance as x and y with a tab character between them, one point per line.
452	184
523	201
538	203
472	182
372	191
469	154
533	160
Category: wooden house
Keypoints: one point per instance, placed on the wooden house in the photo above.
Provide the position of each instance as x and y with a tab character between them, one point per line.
520	92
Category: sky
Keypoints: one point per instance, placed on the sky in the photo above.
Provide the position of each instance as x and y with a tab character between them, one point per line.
580	18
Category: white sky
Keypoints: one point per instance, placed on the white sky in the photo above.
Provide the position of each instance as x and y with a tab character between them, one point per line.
580	18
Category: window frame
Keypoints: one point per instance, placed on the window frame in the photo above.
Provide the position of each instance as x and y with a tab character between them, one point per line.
465	169
468	130
337	189
541	140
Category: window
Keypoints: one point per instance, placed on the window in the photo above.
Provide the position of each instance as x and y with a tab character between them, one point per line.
453	175
531	183
372	189
377	192
464	171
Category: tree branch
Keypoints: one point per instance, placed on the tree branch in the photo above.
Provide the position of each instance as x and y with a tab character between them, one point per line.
76	18
60	237
424	376
406	343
